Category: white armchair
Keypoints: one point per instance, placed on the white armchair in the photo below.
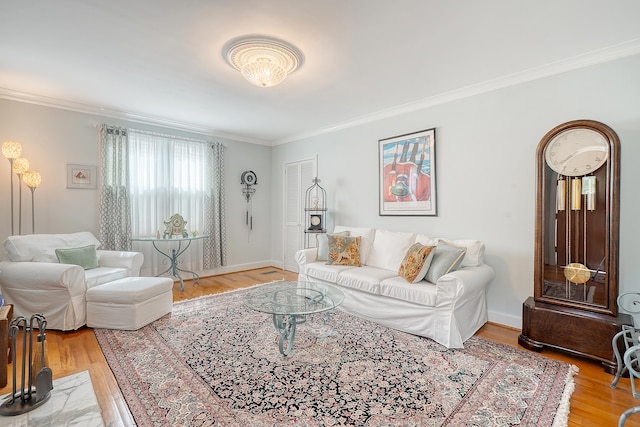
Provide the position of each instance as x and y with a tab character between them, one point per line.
32	279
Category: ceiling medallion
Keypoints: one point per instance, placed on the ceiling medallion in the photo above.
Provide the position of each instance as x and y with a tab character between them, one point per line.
263	61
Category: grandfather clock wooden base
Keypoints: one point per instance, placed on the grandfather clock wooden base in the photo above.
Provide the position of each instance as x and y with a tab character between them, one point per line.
580	332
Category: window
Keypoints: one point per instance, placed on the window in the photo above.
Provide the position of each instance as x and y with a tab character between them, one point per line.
147	178
167	175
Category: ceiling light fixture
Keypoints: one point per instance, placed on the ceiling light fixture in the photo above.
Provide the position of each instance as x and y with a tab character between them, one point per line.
263	61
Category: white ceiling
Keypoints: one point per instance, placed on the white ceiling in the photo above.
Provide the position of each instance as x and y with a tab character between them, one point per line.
160	61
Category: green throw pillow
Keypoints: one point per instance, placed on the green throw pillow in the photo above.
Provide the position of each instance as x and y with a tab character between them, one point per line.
85	257
445	259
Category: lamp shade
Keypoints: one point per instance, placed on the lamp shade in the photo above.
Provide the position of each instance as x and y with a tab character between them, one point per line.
11	149
20	165
31	179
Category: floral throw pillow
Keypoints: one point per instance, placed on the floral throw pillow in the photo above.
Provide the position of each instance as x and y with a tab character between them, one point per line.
322	245
343	250
416	262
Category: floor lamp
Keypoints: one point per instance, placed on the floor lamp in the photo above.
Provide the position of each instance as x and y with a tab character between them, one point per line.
11	150
20	166
32	180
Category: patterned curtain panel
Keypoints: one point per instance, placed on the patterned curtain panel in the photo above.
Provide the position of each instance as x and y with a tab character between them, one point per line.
215	252
115	215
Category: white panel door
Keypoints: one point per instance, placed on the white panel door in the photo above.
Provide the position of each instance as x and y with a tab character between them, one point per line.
298	177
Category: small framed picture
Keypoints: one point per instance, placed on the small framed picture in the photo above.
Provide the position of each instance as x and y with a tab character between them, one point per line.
408	174
81	176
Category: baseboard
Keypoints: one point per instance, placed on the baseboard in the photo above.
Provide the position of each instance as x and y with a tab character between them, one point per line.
505	319
236	268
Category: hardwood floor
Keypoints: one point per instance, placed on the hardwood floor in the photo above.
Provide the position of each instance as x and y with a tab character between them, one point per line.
593	403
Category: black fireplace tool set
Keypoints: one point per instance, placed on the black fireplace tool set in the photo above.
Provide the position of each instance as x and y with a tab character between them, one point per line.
36	377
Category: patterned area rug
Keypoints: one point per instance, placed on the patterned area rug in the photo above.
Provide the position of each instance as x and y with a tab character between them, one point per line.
215	362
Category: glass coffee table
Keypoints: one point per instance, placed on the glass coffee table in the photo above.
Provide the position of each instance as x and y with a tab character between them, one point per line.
292	303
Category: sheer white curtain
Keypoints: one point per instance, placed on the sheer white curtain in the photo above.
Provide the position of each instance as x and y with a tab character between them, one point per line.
170	175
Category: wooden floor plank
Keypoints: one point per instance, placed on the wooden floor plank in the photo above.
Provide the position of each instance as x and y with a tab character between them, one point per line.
593	402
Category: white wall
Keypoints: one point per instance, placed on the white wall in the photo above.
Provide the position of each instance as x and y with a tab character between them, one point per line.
51	138
485	149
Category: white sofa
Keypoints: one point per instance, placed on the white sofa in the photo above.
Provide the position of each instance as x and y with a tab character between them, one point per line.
448	311
32	279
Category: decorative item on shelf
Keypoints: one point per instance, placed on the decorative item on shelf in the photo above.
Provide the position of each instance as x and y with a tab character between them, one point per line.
315	222
175	227
20	166
32	180
263	61
36	376
11	150
248	179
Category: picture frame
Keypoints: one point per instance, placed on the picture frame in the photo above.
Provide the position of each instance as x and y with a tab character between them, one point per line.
82	176
407	171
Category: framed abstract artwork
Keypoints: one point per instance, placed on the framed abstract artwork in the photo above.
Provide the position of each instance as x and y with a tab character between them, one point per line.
407	165
80	176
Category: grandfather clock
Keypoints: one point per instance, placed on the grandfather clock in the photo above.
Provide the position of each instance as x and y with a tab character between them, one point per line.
576	244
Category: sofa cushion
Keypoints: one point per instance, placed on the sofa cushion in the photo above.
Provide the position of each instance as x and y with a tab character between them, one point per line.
102	275
41	247
416	262
426	240
327	273
365	278
389	248
475	251
446	258
366	241
322	245
343	250
85	257
423	293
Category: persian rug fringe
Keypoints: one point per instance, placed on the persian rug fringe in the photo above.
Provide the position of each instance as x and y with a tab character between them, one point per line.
230	291
562	416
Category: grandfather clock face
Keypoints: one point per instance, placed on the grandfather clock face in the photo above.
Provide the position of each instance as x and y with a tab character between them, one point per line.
576	252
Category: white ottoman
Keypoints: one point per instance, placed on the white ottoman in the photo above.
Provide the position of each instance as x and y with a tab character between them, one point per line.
129	303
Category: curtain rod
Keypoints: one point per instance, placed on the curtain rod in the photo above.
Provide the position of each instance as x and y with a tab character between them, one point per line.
165	135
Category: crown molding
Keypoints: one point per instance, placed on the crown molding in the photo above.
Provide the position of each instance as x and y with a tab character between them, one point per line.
611	53
78	107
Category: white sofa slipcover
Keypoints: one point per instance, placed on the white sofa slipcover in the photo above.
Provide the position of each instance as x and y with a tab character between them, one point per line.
34	282
448	311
